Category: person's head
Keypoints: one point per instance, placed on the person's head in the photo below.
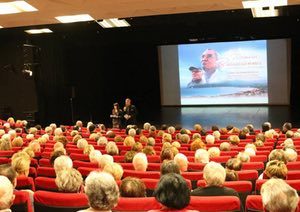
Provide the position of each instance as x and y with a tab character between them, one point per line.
185	138
146	126
277	154
171	130
35	146
166	154
213	152
8	171
277	195
198	127
55	154
168	188
87	149
234	139
20	162
102	191
111	148
150	141
217	135
132	187
69	180
182	161
127	102
114	169
102	141
131	132
214	174
197	144
231	175
266	126
129	156
76	138
118	138
62	162
6	193
290	155
149	150
95	156
286	127
209	60
289	134
260	137
140	162
225	146
250	151
79	123
201	156
116	106
210	139
169	167
243	157
81	143
276	169
129	141
5	145
137	147
104	160
196	73
234	164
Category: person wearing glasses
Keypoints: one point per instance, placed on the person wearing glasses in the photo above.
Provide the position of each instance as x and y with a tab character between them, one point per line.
210	65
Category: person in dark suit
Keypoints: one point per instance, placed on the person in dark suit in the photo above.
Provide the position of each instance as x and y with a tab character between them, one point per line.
130	113
214	175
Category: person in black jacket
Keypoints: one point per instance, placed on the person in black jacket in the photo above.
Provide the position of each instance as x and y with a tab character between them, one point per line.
130	113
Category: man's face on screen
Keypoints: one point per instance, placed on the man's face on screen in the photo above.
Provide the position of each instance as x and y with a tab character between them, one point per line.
209	60
196	75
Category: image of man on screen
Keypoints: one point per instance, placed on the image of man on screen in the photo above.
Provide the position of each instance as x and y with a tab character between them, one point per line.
197	78
210	65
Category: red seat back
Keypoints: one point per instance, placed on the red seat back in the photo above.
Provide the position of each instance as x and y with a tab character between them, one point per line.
78	163
86	170
25	183
46	172
239	186
45	184
254	203
45	162
215	203
82	157
141	174
293	175
137	204
248	175
22	202
293	165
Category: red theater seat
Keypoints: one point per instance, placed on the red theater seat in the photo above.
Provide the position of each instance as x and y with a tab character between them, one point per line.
293	175
59	202
128	166
4	160
239	186
293	183
84	171
153	167
215	203
6	153
220	159
78	163
119	158
137	204
25	183
22	202
196	166
293	165
45	184
46	172
251	175
254	203
45	162
81	157
258	158
259	166
141	174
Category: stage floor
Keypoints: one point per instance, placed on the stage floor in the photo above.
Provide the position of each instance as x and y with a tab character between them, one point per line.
221	116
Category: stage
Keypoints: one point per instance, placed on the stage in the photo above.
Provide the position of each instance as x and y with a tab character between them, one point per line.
221	116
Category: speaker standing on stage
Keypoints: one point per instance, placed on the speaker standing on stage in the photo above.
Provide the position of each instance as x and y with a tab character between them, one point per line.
129	113
116	116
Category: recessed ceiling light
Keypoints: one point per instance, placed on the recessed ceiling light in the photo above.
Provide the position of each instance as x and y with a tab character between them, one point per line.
74	18
38	31
113	22
15	7
1	27
263	3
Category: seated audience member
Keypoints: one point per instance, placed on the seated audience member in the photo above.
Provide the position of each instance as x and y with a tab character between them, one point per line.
286	127
129	141
225	146
250	151
20	162
87	149
5	145
146	126
104	160
6	194
166	154
277	154
213	152
231	175
169	167
118	138
234	140
29	152
132	187
214	128
137	147
210	139
129	156
95	156
243	157
223	131
55	154
8	171
269	134
166	137
201	156
277	196
251	129
114	169
81	143
290	155
69	180
260	137
111	148
17	142
266	126
151	141
276	169
234	130
287	142
106	196
289	134
171	130
195	136
185	138
259	143
62	162
149	150
198	128
95	136
140	162
102	141
76	138
242	135
176	144
172	192
197	144
143	139
182	161
217	135
131	132
214	176
234	164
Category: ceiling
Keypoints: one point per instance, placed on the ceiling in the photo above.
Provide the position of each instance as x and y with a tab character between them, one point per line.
101	9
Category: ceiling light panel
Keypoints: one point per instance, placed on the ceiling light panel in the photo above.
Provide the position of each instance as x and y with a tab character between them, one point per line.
74	18
15	7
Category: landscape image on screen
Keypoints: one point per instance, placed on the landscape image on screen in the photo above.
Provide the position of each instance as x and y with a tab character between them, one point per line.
223	73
